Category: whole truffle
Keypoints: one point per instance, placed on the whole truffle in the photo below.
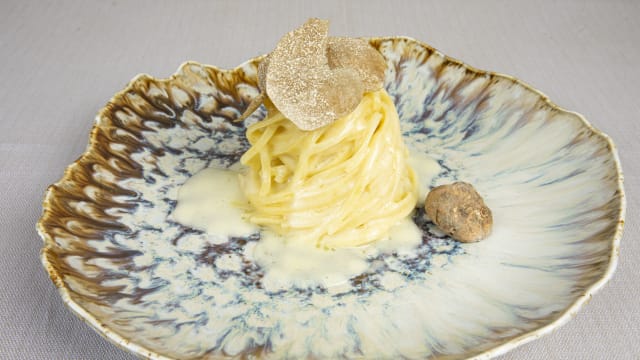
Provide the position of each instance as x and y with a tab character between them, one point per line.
459	211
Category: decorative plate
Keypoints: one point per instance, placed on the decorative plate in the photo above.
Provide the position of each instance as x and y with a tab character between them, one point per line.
165	291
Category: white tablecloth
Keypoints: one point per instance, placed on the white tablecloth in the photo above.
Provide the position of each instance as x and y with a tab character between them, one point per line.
61	61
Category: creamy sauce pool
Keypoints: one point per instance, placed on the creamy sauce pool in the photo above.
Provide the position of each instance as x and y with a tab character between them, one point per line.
426	169
212	201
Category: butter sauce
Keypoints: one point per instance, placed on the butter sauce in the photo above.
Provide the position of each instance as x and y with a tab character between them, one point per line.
212	201
426	169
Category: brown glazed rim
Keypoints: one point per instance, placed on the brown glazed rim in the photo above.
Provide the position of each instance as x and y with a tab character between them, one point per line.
122	342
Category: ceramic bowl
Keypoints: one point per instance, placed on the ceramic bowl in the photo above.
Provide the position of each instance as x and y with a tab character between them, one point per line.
165	291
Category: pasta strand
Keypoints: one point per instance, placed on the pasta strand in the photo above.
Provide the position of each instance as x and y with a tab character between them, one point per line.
342	185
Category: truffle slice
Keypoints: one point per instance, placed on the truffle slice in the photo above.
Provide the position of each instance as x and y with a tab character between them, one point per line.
314	79
357	54
301	84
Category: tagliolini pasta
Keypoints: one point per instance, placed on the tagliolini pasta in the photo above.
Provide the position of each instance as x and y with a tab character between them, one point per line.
342	185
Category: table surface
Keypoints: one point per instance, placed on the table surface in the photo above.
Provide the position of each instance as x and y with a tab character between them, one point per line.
61	61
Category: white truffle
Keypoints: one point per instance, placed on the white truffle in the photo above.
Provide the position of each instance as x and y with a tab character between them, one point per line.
459	211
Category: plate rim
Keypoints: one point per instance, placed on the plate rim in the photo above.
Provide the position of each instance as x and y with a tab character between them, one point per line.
568	314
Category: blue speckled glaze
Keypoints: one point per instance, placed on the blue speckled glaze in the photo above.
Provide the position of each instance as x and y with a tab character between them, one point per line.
164	290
